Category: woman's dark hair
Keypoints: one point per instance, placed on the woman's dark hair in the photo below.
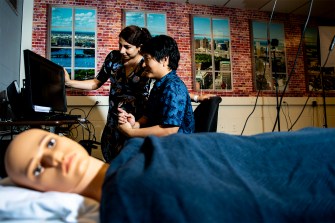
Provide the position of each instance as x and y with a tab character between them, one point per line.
162	46
135	35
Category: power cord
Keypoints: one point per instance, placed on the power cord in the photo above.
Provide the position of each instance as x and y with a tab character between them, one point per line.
316	79
295	62
267	57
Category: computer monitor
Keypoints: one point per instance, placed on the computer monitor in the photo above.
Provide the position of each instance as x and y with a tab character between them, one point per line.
15	100
44	86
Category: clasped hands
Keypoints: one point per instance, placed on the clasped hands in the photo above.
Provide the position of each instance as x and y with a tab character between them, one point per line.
126	120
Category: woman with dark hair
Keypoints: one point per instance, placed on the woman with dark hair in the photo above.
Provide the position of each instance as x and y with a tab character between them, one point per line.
129	87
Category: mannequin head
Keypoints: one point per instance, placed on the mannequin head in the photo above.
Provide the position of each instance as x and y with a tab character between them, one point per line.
44	161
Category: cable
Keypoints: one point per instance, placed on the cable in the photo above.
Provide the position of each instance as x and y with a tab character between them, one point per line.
267	56
288	114
97	102
295	61
251	112
309	95
303	108
85	124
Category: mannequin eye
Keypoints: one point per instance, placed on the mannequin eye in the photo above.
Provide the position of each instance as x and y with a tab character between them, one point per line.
51	143
38	170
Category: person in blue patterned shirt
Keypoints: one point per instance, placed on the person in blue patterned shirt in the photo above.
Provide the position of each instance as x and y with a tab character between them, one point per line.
169	108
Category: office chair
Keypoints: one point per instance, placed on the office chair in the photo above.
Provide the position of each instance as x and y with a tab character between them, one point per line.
206	115
89	145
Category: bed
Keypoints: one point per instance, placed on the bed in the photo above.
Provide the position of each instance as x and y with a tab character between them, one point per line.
216	177
23	205
204	177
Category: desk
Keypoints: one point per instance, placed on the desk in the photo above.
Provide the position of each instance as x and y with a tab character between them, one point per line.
38	122
54	124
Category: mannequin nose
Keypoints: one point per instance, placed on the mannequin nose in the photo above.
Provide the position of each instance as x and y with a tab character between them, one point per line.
52	158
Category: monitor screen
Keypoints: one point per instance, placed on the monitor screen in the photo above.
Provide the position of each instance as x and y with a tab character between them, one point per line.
44	84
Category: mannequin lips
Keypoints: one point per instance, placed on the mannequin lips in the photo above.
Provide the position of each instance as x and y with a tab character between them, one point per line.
67	164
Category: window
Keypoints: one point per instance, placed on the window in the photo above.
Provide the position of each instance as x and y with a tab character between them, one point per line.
265	51
154	22
72	40
211	53
317	72
312	60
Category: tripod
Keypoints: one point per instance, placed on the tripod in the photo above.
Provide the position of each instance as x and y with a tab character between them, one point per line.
274	43
324	98
331	47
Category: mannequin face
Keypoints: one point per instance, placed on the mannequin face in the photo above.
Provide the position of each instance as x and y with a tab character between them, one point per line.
45	161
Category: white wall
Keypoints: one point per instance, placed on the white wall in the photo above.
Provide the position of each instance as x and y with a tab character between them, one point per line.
27	32
10	37
233	114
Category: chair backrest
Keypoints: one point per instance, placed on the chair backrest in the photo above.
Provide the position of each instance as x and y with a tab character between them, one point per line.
206	115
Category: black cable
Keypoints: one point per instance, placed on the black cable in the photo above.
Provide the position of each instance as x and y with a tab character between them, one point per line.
303	108
91	109
79	110
267	56
323	84
285	114
86	125
309	95
295	61
251	111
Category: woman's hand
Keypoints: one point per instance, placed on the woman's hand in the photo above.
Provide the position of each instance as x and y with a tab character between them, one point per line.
204	97
66	76
125	117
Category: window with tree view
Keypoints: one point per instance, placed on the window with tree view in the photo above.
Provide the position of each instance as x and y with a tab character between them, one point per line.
211	53
72	40
154	22
269	56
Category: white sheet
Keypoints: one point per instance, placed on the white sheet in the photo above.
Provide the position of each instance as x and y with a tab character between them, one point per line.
17	204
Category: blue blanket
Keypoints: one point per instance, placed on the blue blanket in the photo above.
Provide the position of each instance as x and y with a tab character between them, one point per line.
216	177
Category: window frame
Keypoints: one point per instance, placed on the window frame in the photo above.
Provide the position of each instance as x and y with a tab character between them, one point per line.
145	25
271	54
73	68
214	71
315	72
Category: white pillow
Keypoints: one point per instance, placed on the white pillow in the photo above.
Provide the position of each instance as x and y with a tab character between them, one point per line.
25	204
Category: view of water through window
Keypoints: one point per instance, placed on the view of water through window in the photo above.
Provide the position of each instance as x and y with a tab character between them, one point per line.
73	45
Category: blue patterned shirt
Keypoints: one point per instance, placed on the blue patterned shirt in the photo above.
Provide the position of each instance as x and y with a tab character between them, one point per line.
169	104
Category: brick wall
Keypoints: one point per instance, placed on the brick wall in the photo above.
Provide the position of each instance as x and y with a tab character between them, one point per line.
109	19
